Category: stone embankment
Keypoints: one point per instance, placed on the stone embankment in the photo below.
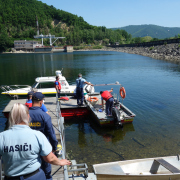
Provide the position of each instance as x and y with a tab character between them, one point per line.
168	52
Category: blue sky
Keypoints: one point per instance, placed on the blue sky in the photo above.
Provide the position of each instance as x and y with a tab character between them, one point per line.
120	13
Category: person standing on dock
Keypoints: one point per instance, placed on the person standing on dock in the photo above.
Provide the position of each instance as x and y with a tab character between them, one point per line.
107	96
29	102
42	122
79	89
21	148
58	87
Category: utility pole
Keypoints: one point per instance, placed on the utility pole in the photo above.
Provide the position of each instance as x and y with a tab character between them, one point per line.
37	26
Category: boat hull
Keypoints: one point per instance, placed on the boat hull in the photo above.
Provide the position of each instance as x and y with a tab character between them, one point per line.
102	119
145	177
23	95
158	168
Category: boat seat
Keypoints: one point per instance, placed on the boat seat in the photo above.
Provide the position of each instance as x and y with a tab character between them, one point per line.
164	163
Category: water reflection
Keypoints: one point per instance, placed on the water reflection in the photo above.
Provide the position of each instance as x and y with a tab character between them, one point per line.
95	144
112	134
86	127
152	88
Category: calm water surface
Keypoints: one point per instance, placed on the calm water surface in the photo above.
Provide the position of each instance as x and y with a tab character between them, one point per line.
153	94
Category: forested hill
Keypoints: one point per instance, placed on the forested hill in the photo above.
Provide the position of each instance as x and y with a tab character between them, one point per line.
18	21
151	30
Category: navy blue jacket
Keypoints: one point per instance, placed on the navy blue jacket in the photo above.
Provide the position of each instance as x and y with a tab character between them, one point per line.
42	121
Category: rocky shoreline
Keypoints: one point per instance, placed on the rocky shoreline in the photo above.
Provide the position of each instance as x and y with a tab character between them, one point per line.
168	52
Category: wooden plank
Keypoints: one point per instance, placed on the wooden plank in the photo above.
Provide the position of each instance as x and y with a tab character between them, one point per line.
12	102
167	165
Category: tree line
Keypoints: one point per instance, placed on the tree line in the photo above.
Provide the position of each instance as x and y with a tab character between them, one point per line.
18	22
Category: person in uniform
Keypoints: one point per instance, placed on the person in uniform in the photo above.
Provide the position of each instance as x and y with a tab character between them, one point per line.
58	87
79	89
29	102
107	96
21	148
42	121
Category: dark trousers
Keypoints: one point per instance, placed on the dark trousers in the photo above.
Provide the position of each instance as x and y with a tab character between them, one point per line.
38	176
46	167
59	91
80	96
109	105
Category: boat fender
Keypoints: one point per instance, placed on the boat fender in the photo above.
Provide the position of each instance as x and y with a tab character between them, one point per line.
122	92
89	89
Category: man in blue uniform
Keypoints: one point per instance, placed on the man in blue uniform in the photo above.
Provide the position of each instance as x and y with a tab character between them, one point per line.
42	121
79	89
29	102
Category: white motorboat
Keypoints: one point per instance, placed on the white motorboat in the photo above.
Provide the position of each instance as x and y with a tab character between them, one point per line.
45	85
158	168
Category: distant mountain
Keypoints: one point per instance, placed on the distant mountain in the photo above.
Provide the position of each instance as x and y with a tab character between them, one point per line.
154	31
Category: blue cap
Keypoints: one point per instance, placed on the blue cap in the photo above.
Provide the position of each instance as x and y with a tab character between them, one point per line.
38	96
30	93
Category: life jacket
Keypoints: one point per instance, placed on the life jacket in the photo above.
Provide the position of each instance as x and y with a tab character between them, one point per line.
64	98
28	105
59	84
106	95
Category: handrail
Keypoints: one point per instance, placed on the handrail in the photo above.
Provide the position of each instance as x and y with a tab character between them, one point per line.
60	121
7	88
1	170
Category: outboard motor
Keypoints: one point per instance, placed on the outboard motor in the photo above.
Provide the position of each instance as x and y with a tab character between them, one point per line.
116	102
116	115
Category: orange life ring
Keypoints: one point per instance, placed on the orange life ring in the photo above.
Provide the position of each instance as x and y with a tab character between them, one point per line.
92	99
122	92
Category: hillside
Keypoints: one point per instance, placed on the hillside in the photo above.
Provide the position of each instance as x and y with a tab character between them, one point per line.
151	30
18	22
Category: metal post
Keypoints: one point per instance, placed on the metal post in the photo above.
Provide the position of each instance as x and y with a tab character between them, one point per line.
50	40
60	121
1	169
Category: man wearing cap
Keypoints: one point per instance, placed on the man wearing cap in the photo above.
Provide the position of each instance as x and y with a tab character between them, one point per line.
42	121
106	95
79	89
29	102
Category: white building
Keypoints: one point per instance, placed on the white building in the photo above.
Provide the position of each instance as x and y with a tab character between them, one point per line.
25	45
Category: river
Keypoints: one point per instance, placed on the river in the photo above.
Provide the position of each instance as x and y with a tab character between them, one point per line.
152	93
